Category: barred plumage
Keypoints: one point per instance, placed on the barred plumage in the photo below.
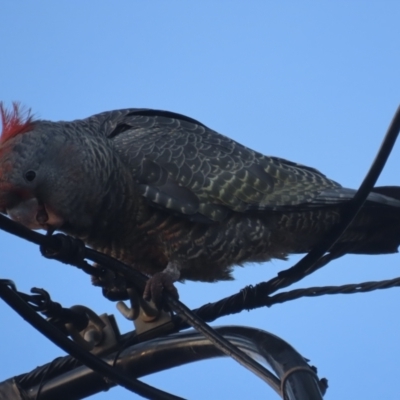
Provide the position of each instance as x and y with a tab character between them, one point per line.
157	189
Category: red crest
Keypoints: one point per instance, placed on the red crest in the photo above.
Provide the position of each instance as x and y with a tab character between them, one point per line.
14	121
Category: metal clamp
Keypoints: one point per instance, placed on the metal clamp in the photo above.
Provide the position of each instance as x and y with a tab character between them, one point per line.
144	314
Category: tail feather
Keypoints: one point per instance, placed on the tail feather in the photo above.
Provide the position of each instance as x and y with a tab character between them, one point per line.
388	191
383	195
377	227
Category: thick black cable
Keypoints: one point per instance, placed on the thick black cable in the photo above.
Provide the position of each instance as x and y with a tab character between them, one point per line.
7	225
45	374
90	360
217	339
60	365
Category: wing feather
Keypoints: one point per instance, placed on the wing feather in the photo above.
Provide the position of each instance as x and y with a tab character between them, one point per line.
184	167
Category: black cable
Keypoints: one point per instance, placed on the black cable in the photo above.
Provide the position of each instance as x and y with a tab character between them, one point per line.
93	362
46	372
353	288
217	339
60	365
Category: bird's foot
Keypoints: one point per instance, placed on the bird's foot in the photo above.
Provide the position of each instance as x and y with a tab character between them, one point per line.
162	281
114	287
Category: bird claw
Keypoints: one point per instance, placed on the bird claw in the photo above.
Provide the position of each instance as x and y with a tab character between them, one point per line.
113	287
156	285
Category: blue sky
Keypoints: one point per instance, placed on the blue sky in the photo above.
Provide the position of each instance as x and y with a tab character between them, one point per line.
314	82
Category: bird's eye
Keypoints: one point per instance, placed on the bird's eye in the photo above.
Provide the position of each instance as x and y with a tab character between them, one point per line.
30	175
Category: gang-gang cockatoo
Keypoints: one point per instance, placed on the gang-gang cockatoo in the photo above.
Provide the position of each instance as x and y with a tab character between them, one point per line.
174	199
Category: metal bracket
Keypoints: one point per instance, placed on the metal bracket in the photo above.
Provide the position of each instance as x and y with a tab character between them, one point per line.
100	335
144	314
